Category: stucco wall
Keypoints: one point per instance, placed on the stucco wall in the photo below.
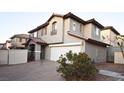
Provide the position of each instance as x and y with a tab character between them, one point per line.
95	52
68	38
118	58
37	52
17	56
16	42
88	30
13	56
3	56
110	37
57	38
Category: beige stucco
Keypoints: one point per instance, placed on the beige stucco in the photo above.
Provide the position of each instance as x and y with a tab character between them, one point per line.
63	37
88	31
110	37
118	58
67	27
16	42
58	38
95	52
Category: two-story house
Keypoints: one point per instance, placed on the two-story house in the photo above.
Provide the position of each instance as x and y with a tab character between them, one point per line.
62	33
18	41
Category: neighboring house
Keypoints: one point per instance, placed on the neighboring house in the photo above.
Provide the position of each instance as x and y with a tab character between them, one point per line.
6	45
19	40
109	34
62	33
1	45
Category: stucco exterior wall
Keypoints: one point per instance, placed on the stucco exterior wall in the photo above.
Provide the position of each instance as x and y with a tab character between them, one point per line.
37	52
57	38
17	56
68	38
95	52
88	30
3	56
109	37
47	53
105	36
16	42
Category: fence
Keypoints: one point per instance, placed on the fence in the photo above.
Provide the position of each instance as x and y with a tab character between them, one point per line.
118	58
111	51
13	56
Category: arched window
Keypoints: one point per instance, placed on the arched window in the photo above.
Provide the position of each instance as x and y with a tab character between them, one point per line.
54	26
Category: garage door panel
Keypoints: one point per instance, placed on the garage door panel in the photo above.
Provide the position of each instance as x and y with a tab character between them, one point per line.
56	52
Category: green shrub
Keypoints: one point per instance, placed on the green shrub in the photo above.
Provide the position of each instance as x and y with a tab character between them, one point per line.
76	66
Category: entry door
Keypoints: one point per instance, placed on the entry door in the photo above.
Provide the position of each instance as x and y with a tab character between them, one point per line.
42	55
31	53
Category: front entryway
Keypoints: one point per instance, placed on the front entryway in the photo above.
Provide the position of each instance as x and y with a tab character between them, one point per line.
31	52
42	55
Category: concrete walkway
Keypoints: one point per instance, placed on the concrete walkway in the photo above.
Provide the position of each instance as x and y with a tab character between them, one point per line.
111	74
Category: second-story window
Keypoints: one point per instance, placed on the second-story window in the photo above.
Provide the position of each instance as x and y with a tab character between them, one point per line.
54	28
97	31
44	31
35	34
20	39
41	32
74	26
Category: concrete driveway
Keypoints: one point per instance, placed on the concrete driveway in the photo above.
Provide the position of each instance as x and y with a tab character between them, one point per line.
34	71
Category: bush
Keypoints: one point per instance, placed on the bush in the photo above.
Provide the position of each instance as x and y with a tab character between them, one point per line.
76	66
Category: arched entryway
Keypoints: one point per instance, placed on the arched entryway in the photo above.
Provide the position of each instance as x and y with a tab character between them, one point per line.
31	52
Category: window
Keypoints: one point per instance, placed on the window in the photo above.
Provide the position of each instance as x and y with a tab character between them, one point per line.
44	31
97	31
54	28
41	32
74	26
20	39
35	34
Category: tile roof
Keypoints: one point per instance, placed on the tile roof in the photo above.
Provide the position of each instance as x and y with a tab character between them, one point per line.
95	22
112	28
20	36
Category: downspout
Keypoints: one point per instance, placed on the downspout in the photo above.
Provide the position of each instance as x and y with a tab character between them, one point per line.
63	28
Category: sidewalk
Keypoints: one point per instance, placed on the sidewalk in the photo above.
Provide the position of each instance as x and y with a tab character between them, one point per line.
112	74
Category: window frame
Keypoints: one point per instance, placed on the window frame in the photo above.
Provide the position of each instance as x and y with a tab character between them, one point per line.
74	26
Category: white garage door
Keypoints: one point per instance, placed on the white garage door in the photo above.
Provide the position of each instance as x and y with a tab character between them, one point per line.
57	51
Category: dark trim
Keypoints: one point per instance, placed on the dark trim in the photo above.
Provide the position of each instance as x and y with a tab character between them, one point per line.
93	21
74	35
89	40
70	15
55	43
112	28
19	36
38	28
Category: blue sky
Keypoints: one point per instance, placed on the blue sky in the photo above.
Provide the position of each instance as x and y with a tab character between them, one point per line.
21	22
